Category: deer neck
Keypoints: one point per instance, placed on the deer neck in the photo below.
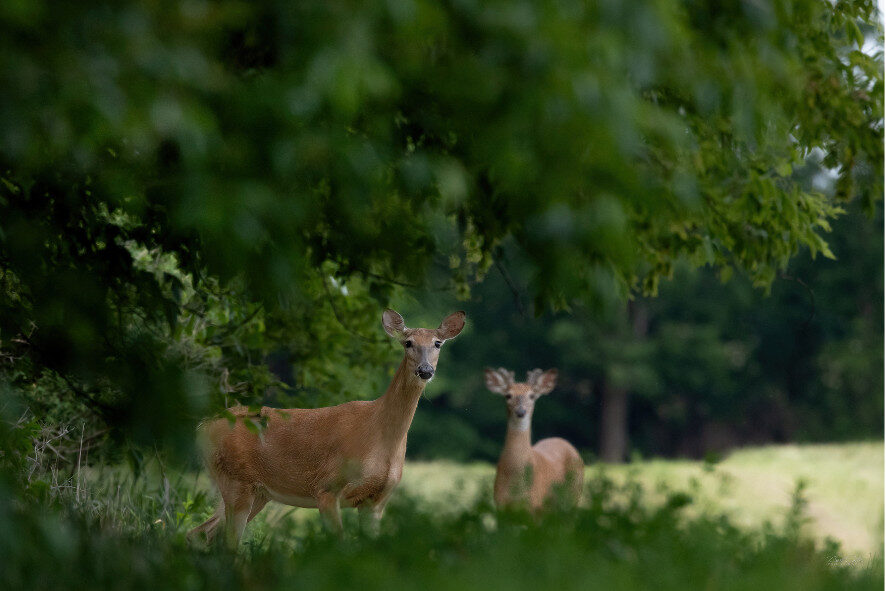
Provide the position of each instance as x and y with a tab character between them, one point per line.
517	451
396	408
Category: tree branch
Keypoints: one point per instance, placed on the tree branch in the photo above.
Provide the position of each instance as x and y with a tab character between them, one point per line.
506	276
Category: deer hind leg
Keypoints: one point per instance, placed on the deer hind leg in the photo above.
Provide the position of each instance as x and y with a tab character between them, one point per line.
578	483
208	528
258	503
575	477
238	498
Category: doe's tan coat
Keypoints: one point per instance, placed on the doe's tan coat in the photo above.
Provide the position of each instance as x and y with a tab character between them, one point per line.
529	474
350	455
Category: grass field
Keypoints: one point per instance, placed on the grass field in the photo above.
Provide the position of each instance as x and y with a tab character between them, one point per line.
655	524
843	488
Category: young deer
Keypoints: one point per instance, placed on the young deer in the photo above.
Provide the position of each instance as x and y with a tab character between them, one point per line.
526	473
350	455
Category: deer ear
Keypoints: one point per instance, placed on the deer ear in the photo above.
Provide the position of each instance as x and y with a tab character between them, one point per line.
498	380
542	382
393	324
451	326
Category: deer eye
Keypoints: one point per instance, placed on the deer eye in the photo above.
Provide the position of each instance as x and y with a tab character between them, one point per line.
407	344
507	396
438	344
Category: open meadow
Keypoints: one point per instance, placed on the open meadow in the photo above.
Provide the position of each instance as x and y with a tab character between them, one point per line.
742	523
842	488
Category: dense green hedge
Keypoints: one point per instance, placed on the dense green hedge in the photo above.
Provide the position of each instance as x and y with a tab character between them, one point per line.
133	539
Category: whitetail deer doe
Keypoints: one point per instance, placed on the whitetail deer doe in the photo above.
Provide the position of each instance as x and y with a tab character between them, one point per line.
350	455
529	474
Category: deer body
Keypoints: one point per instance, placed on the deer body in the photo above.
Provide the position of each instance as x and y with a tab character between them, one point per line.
350	455
529	474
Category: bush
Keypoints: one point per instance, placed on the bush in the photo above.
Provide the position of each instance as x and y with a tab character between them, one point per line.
121	532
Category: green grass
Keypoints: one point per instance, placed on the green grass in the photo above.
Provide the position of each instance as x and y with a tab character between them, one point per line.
635	530
751	487
844	487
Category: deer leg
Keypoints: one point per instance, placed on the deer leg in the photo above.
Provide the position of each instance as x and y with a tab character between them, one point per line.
328	504
235	523
208	527
370	518
577	482
258	503
238	498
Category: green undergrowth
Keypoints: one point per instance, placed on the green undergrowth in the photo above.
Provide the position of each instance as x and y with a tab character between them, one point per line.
114	531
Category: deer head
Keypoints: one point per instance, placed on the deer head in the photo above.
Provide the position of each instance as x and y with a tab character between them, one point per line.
520	396
422	345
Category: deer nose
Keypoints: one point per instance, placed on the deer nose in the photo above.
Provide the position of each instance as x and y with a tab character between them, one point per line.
425	371
520	412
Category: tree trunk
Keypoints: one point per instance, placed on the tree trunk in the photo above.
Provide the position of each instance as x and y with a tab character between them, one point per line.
614	399
614	423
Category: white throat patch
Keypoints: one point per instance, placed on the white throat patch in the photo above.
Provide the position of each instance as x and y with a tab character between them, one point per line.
519	424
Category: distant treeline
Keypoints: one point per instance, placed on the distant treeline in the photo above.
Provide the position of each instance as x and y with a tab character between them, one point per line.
703	367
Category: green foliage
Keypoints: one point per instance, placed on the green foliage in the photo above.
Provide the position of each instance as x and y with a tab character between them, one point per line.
185	185
208	203
717	365
129	534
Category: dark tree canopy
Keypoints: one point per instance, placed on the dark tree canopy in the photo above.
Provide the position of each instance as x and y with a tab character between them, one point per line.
188	186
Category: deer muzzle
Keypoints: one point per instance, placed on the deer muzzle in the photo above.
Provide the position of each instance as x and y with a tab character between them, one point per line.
424	371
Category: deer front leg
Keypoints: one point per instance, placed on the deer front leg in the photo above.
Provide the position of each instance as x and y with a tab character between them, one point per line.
329	505
370	518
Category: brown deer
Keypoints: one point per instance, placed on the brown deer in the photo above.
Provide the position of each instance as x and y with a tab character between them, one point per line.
350	455
528	474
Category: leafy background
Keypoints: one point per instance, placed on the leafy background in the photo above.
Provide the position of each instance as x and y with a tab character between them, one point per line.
203	203
196	192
